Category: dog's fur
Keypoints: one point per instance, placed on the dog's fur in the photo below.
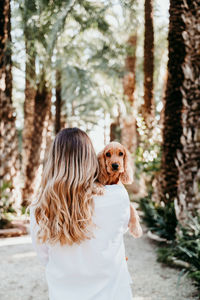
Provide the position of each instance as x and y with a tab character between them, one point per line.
115	168
118	155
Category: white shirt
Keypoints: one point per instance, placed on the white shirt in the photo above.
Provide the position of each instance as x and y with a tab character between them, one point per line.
96	269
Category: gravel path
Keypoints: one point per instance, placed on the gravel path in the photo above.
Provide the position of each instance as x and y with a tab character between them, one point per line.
22	277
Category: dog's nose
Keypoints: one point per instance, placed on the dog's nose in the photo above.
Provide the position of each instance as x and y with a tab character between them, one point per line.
115	166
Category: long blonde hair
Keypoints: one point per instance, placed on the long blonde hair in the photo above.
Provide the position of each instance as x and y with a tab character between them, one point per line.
64	208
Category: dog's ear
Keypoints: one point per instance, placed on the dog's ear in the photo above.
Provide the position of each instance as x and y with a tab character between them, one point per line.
103	175
127	176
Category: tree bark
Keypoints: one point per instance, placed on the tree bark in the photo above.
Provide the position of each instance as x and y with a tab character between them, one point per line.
129	78
49	135
60	118
29	104
129	135
148	107
9	171
58	102
38	141
172	127
115	132
188	156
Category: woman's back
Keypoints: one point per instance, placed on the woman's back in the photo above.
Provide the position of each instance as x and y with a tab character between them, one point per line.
96	269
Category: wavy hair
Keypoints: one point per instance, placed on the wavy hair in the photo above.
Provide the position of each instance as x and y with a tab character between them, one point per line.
64	206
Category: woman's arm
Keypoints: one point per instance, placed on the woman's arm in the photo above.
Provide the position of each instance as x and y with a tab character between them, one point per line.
41	249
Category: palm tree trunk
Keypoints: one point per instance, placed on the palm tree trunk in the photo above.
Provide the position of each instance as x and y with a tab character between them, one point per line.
29	103
172	128
60	118
115	132
115	128
129	78
49	135
9	171
58	103
188	157
148	108
129	135
38	141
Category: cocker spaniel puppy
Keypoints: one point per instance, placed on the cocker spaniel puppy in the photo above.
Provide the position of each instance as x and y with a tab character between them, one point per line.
115	168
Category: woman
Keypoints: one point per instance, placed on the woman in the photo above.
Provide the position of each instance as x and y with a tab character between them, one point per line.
77	234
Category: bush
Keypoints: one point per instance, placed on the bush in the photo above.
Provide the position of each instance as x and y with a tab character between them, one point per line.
185	249
5	204
160	219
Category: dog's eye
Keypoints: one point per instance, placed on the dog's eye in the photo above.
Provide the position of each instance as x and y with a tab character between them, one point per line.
108	154
120	153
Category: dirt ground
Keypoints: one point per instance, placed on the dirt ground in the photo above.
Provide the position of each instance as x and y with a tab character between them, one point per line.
22	277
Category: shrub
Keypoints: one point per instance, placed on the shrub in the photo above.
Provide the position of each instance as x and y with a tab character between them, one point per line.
185	249
5	204
160	219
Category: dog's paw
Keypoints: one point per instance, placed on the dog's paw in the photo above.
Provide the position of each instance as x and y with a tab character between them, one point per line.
135	230
98	189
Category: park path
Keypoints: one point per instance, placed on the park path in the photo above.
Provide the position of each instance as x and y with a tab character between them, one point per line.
22	277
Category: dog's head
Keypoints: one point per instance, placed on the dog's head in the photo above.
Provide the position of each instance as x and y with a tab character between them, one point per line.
115	162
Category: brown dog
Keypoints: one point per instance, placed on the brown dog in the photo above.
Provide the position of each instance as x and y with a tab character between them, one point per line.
115	168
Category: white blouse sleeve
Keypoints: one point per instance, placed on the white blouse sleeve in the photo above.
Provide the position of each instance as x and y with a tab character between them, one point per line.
41	249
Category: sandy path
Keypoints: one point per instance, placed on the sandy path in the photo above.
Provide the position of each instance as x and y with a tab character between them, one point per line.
22	277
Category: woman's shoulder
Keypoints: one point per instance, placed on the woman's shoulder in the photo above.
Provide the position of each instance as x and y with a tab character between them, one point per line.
118	189
113	194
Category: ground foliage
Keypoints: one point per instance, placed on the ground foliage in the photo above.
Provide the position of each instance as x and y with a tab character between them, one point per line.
186	248
182	248
160	218
6	205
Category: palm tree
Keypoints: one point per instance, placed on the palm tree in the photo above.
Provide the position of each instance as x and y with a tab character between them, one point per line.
27	11
58	102
148	108
172	127
42	114
9	172
188	156
129	136
129	78
60	116
29	103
